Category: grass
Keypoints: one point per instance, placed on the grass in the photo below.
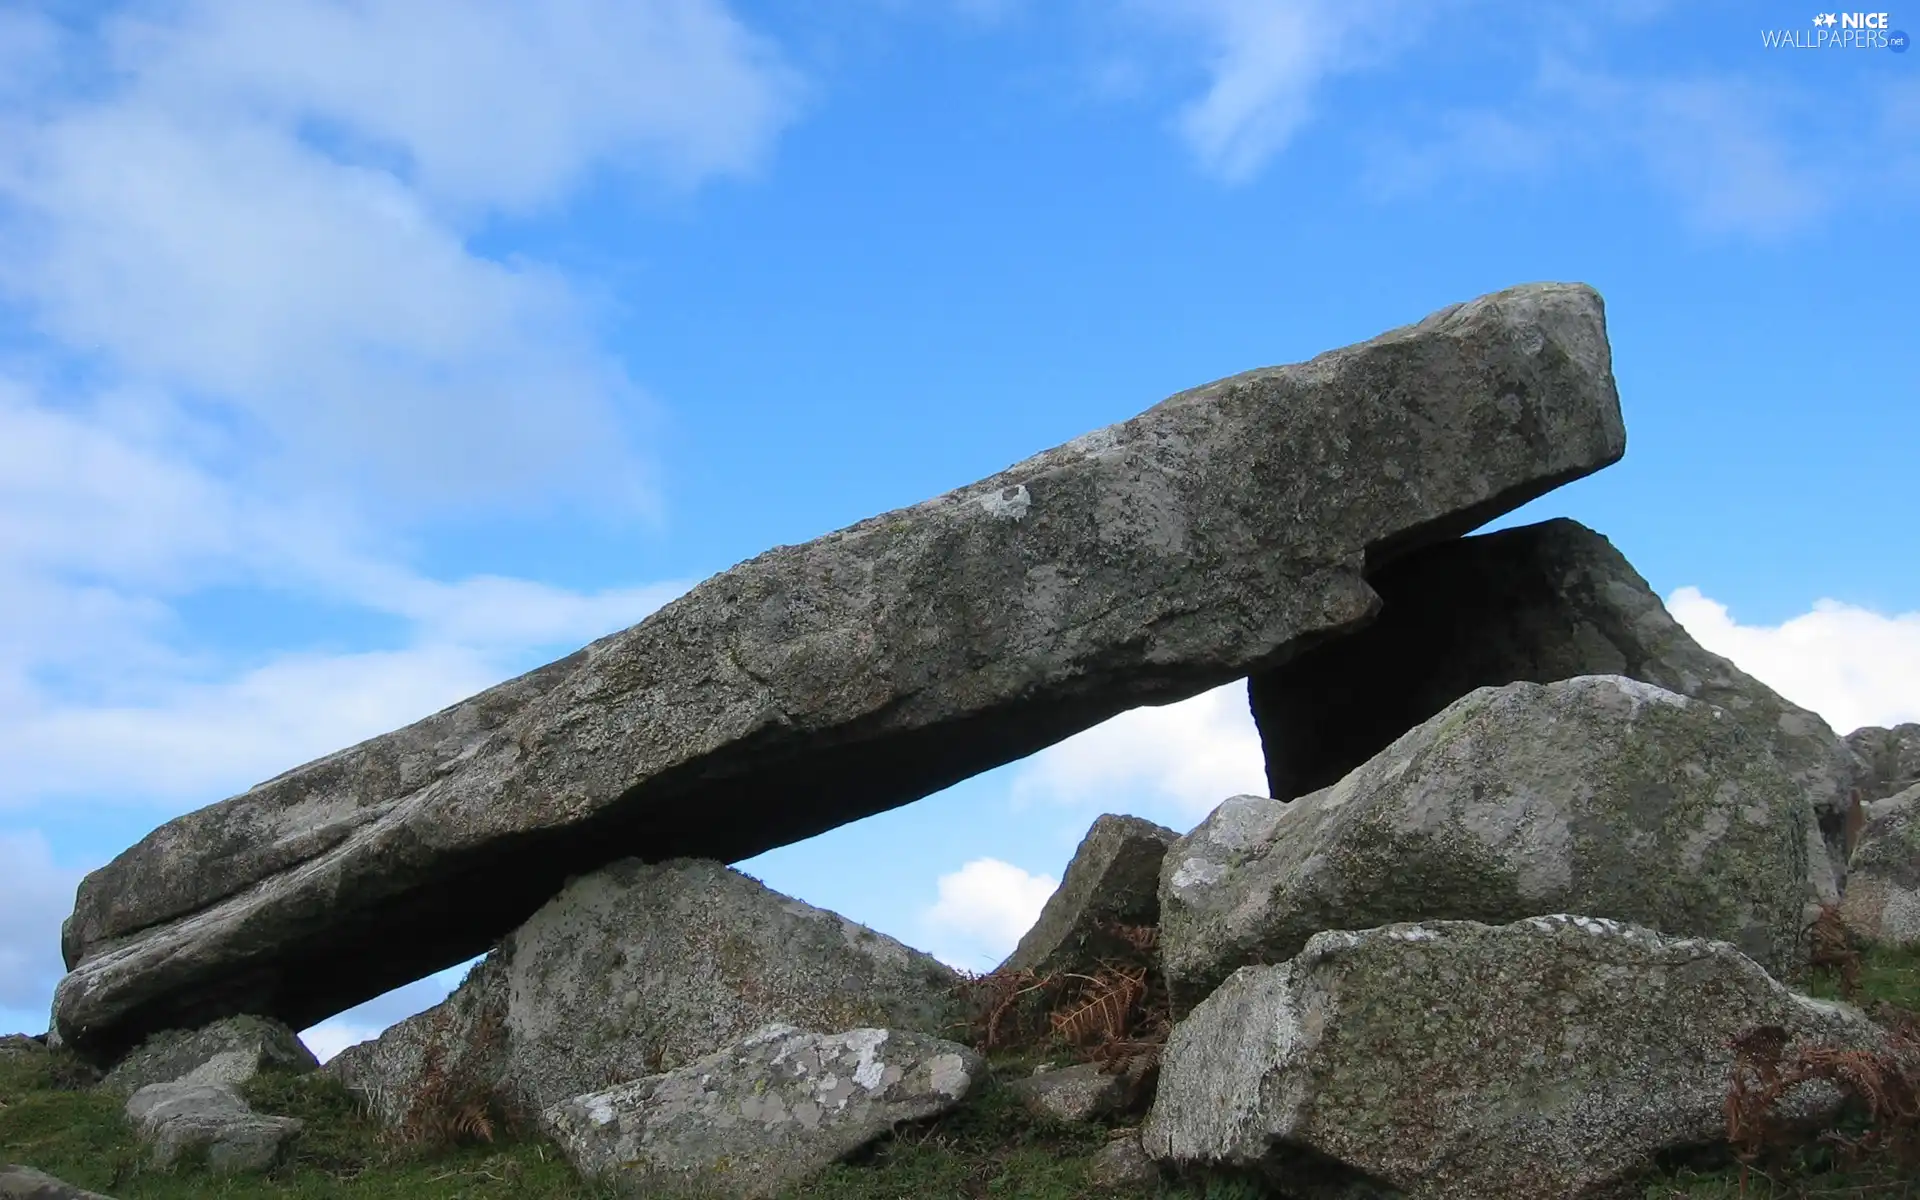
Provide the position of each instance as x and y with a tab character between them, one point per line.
991	1147
51	1118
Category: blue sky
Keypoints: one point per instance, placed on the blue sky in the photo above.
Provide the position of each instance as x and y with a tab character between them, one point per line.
354	357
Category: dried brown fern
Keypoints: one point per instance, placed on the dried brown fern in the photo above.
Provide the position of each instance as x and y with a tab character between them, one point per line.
1117	1015
453	1106
1831	947
1880	1089
1103	1009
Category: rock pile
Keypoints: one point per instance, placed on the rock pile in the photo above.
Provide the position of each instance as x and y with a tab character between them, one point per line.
1533	861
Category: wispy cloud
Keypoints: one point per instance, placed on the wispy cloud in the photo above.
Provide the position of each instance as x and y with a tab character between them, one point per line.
269	212
1735	154
254	345
1267	60
104	525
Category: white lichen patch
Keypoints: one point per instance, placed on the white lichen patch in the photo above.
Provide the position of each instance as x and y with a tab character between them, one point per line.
1642	693
1196	872
1412	933
1825	1008
948	1075
866	1043
1008	504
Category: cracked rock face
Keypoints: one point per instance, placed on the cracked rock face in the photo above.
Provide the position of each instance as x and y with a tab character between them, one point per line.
764	1112
1599	794
1554	1056
1538	603
1213	535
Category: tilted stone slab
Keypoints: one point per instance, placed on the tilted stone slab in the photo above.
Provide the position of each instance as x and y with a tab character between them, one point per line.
1211	536
1537	604
1557	1056
772	1109
1882	904
641	968
1599	794
1112	882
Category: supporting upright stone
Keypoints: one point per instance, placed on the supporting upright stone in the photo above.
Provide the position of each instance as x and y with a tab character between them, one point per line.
1113	882
1536	604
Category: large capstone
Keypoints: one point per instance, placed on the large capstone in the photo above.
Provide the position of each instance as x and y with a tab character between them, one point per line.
1599	794
1535	604
1214	535
1557	1056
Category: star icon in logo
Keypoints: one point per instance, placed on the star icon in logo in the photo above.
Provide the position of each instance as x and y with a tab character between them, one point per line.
1827	19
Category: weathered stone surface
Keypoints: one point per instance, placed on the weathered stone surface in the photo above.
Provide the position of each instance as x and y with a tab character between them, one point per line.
1598	794
1122	1165
232	1050
176	1118
1554	1056
458	1046
1081	1092
1889	760
1113	879
1538	604
775	1107
1216	534
25	1183
637	969
1882	903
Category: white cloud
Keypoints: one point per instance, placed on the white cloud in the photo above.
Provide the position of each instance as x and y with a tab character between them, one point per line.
304	179
1267	59
982	911
35	896
266	347
1853	666
1179	760
103	523
492	102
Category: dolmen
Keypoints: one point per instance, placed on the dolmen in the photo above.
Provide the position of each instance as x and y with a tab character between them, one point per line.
1215	536
1534	867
